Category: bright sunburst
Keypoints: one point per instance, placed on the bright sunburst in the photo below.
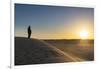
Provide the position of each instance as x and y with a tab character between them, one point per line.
84	34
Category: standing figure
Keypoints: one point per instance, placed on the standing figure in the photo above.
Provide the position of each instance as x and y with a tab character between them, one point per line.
29	31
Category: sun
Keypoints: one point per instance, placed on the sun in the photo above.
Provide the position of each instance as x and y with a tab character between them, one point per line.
84	34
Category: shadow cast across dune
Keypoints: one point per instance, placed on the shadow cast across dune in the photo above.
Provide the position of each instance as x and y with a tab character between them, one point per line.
35	51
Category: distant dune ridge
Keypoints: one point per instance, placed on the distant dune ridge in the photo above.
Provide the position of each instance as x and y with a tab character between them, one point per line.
35	51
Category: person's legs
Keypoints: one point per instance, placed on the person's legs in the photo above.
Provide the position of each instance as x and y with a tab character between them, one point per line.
29	35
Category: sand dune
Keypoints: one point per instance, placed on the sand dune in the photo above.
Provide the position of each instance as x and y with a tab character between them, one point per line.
78	49
34	51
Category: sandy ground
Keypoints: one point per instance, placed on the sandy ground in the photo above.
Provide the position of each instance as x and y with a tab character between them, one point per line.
34	51
83	49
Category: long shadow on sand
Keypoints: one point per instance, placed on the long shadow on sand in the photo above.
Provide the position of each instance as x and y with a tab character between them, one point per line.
34	51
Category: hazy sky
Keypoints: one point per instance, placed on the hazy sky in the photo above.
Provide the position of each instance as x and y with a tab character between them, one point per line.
53	22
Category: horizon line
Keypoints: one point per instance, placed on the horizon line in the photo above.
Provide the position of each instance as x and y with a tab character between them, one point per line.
57	38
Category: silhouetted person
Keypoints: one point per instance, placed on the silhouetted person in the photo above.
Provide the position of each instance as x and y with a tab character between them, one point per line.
29	31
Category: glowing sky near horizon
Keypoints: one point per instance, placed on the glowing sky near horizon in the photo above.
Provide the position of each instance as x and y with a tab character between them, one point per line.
53	22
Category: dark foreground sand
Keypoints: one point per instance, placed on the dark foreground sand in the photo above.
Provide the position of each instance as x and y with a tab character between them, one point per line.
34	51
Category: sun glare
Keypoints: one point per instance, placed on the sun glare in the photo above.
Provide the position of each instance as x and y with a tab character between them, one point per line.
84	34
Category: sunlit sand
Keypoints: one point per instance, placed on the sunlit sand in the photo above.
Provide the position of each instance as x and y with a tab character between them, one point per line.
36	51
